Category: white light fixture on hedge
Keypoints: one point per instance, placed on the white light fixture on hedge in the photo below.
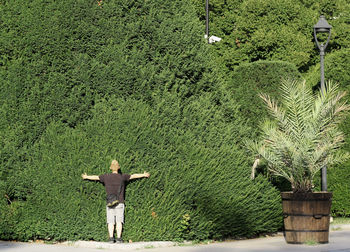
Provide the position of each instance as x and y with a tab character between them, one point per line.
211	39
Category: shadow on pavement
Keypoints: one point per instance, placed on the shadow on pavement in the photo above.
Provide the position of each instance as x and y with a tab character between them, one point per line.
7	245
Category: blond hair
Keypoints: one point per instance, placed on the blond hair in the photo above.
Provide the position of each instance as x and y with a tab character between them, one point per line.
115	165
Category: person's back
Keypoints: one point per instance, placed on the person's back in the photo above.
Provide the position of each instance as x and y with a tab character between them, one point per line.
115	185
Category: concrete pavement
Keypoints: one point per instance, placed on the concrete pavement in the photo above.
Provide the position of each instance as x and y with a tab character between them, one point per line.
339	242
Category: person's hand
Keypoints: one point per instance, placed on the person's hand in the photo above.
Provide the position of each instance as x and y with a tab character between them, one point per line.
146	174
84	175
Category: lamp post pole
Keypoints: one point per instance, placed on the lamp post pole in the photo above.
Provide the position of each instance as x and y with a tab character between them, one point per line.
322	49
207	19
322	26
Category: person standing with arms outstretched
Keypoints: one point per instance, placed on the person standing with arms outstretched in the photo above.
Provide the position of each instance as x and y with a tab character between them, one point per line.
115	183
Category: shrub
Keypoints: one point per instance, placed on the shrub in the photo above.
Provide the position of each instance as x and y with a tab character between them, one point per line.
250	79
58	58
254	30
83	84
196	171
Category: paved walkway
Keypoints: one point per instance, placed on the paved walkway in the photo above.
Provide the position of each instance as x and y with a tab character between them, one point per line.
339	242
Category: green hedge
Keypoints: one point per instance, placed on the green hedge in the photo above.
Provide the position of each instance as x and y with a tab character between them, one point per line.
246	82
337	69
58	58
82	84
199	186
250	79
254	30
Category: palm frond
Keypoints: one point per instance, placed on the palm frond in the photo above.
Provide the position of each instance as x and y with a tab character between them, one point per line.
303	135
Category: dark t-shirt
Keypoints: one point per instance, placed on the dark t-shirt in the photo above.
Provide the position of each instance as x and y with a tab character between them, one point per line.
112	183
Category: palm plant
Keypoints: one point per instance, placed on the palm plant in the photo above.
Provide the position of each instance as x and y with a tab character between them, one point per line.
303	134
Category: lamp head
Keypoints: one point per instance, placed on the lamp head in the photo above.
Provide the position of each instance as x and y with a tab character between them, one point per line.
322	25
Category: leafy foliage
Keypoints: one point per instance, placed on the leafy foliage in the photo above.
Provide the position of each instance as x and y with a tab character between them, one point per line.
195	172
243	87
283	30
56	66
273	30
248	80
303	136
84	82
337	68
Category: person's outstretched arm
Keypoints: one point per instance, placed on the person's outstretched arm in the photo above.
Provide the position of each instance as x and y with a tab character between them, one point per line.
90	177
141	175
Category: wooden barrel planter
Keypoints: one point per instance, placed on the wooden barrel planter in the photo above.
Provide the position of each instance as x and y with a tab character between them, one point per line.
306	216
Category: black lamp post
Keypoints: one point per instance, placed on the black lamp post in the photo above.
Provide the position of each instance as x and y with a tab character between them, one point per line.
207	19
322	26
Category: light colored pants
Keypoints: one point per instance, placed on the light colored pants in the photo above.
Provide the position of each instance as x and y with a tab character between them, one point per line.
115	214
